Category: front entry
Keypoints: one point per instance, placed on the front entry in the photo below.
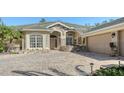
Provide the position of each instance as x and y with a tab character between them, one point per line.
54	42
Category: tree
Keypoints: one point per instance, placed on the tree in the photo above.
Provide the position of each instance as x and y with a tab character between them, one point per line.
97	24
42	20
110	20
104	22
12	34
87	25
3	35
7	35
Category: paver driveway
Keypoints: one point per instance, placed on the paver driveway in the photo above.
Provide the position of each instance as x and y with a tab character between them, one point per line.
51	63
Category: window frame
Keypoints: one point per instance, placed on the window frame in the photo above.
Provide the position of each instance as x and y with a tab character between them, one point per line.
37	41
69	40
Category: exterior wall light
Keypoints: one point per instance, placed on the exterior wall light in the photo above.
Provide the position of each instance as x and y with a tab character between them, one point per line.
113	35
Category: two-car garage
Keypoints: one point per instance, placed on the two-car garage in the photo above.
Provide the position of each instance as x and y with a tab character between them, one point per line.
107	38
100	43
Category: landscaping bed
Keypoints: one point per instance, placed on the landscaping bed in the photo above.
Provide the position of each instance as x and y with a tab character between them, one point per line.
110	71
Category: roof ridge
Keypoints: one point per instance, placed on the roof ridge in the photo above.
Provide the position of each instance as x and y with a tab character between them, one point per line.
28	24
34	23
72	23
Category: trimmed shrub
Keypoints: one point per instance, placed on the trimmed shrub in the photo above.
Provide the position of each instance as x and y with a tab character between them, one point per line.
112	71
63	48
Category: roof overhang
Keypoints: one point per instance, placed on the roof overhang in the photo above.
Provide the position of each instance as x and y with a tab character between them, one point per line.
113	28
24	30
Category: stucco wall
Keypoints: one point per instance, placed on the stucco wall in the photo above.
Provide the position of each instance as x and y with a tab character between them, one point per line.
46	37
121	41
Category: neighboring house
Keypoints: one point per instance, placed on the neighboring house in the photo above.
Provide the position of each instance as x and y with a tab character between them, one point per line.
51	35
107	38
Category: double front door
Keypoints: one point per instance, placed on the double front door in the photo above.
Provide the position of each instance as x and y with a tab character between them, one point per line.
54	43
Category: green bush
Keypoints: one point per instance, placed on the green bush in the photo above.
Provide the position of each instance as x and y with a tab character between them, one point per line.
63	48
112	71
1	47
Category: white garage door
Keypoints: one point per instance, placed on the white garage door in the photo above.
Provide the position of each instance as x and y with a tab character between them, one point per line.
100	43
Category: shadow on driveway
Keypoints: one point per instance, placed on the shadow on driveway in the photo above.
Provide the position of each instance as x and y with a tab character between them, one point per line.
59	72
31	73
80	71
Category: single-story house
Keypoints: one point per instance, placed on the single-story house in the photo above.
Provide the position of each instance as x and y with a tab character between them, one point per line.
107	38
50	35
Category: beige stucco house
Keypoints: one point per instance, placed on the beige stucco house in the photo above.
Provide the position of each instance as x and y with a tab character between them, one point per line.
50	35
107	38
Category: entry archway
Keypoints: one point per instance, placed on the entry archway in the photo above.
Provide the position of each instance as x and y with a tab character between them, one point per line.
55	41
72	37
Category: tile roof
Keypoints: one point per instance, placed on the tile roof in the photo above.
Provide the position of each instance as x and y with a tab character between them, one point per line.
114	22
81	28
45	24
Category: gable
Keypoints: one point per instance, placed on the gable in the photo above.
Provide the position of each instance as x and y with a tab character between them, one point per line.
59	24
58	27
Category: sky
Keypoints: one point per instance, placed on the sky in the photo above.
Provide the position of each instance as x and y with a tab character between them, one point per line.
13	21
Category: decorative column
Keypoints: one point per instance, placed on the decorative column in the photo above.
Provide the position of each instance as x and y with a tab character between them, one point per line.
27	41
48	41
58	42
63	38
44	41
23	43
76	38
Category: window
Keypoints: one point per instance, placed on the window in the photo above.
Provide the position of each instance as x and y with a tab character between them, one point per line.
79	40
32	41
69	40
39	41
83	40
36	41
